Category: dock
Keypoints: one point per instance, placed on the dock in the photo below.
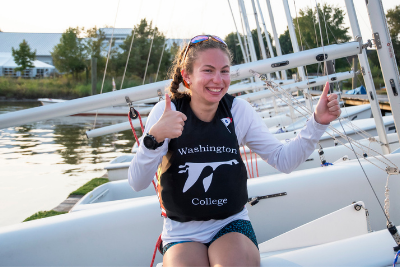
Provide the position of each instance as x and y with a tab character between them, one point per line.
67	204
356	100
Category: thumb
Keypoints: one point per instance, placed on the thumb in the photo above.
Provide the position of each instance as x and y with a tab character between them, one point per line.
167	103
326	90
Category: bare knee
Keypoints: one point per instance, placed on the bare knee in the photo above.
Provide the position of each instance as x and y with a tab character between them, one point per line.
186	254
233	249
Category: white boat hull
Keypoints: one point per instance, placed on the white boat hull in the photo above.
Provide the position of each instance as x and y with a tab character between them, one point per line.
125	233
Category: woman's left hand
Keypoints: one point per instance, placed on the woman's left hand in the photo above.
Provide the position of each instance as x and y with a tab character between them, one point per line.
327	108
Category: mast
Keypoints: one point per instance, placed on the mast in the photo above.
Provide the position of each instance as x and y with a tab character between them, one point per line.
387	60
260	39
271	51
238	35
248	32
293	37
295	45
246	47
276	38
369	82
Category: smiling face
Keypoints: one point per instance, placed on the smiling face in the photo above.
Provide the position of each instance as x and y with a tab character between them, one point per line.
210	77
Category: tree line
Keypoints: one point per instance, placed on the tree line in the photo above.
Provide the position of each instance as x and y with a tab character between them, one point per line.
73	53
77	46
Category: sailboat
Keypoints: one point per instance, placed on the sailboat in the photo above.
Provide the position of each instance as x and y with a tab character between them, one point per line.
284	209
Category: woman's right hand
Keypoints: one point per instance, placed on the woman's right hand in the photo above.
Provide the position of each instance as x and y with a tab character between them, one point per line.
170	125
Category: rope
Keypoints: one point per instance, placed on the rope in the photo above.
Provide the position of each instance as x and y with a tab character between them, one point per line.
387	201
136	138
395	258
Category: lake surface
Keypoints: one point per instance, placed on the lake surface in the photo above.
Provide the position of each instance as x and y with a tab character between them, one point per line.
42	162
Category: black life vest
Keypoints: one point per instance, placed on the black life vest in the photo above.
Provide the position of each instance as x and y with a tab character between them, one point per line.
203	176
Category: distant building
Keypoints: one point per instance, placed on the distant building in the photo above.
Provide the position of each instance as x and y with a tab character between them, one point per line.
8	66
43	43
120	34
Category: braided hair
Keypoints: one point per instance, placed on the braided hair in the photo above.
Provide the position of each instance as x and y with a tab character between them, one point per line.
186	63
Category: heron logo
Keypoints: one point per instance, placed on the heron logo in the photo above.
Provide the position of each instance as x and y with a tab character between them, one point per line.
226	122
194	171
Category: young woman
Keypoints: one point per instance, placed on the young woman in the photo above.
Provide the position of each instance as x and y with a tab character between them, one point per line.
194	142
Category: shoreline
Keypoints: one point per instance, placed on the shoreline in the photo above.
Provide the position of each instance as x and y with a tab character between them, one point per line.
71	200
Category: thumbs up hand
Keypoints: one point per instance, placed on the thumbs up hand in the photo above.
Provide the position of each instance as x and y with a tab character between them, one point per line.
327	108
170	125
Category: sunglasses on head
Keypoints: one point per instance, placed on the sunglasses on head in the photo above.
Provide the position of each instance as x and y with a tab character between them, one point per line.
202	38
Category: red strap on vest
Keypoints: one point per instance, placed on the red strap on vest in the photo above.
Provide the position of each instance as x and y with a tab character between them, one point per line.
250	171
159	247
156	187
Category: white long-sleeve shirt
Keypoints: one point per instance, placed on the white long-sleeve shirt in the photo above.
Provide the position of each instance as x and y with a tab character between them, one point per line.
251	131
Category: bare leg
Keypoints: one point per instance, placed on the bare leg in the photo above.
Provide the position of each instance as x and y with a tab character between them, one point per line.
186	254
233	249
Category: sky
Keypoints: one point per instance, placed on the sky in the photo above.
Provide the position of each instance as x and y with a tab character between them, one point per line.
175	18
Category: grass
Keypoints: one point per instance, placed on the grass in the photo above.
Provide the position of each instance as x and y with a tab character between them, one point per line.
83	190
89	186
43	214
64	87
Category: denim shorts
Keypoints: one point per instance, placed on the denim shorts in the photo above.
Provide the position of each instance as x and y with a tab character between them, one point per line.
238	226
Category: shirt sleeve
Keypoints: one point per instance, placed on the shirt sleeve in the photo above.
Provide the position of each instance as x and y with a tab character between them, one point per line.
285	157
145	163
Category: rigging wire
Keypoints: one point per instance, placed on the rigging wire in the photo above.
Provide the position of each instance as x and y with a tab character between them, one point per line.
366	176
151	44
108	56
315	29
165	42
130	47
358	78
305	112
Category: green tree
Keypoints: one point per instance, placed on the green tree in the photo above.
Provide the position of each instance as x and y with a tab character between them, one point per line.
69	54
23	56
174	50
257	44
94	43
308	25
393	19
234	46
143	34
286	43
308	32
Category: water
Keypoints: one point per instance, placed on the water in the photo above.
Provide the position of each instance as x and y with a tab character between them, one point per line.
42	162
